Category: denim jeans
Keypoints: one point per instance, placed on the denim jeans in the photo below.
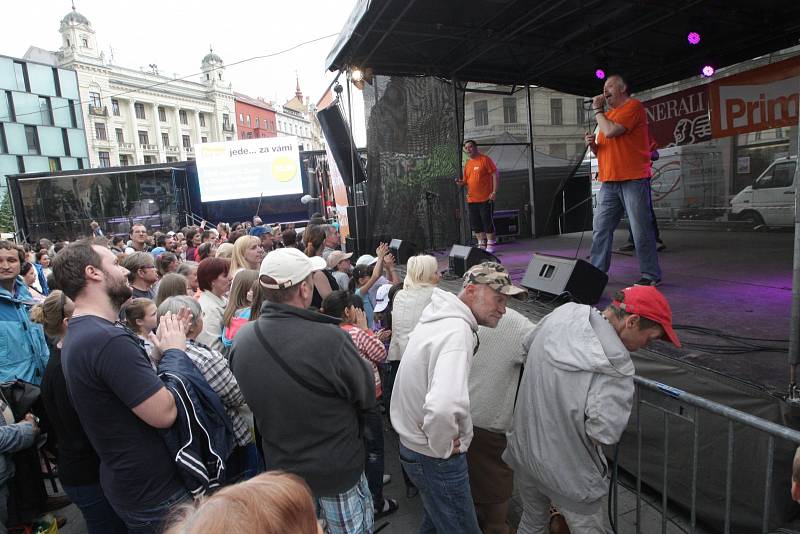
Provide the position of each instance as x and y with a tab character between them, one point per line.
151	520
374	467
444	488
613	200
100	517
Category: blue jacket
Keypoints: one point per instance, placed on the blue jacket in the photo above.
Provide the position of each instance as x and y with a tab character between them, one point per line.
23	349
201	439
42	279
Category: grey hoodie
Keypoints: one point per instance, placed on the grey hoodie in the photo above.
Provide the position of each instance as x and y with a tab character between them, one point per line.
576	392
430	399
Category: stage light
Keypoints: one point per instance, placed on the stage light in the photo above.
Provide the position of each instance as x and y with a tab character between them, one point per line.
708	71
693	38
357	75
600	74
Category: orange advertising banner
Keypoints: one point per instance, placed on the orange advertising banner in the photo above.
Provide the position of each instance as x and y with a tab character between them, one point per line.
759	99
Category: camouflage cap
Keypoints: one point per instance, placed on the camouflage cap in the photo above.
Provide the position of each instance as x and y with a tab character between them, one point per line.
495	276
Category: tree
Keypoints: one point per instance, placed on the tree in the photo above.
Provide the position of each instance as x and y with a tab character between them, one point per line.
6	214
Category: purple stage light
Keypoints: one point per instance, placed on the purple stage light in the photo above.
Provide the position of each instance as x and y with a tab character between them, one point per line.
600	74
708	71
693	38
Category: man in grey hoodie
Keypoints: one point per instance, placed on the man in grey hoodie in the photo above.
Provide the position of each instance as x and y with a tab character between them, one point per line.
430	400
576	395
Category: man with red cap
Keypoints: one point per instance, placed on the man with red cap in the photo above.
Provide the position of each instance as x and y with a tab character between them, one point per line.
576	395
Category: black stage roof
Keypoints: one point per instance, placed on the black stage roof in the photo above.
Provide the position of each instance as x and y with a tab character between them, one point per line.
560	43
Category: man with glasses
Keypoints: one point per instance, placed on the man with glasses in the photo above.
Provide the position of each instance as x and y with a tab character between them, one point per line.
138	239
142	274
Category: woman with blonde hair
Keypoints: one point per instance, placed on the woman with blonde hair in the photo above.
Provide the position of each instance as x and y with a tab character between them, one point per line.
78	463
247	254
271	503
237	312
224	251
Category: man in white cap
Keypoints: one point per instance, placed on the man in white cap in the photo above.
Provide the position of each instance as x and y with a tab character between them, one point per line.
430	407
340	267
307	387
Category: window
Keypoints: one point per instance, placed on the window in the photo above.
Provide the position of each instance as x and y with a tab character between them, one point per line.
556	112
85	43
249	135
32	139
72	117
481	113
45	111
171	159
65	138
21	74
12	114
202	118
510	110
54	163
581	114
183	118
204	139
123	160
241	118
248	120
105	160
781	175
3	147
115	107
94	100
226	120
100	131
139	110
120	135
256	122
148	160
187	141
559	150
162	114
165	139
143	140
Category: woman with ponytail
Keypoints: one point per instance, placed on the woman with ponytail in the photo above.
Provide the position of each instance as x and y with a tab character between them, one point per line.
78	464
324	282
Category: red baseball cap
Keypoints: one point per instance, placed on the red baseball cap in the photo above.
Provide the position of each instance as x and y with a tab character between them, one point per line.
649	302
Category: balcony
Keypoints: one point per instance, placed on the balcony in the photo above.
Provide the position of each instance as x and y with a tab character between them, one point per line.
170	149
189	150
227	127
129	147
98	111
148	148
102	143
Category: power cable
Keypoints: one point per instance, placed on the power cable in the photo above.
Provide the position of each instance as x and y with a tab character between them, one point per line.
184	78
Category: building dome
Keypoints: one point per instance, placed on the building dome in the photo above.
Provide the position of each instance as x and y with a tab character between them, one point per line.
73	17
211	57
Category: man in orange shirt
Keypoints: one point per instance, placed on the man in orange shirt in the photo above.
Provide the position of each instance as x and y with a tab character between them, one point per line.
622	147
481	179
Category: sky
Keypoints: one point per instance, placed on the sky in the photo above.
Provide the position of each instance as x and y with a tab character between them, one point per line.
175	35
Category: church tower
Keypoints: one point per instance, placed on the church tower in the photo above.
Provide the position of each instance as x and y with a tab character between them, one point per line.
78	40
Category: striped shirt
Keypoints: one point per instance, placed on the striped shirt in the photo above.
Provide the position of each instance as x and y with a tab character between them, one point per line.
370	348
214	368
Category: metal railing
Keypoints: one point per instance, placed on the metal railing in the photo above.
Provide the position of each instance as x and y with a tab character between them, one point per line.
675	407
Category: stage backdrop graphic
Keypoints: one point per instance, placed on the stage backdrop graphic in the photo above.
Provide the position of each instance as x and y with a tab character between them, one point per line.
248	168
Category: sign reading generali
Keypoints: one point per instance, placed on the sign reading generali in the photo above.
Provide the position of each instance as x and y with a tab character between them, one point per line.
679	118
759	99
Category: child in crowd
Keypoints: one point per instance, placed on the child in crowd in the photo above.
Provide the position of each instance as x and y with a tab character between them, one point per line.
364	277
237	312
142	318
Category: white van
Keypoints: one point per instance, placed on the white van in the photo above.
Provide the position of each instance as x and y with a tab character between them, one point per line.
770	200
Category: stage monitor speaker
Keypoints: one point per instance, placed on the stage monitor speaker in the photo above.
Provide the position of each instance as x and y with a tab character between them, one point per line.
340	141
556	276
463	257
402	250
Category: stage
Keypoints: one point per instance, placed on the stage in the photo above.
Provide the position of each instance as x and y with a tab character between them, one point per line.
734	282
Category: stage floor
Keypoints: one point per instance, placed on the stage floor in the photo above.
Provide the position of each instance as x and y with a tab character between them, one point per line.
731	282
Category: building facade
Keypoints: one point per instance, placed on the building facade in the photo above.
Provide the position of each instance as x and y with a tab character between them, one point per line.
298	118
41	124
136	117
255	117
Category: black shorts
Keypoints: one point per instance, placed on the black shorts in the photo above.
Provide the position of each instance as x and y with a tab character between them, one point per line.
481	217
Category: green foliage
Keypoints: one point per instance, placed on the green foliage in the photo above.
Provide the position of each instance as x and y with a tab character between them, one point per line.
6	214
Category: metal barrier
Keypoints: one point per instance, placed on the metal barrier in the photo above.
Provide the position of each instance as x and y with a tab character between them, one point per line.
772	430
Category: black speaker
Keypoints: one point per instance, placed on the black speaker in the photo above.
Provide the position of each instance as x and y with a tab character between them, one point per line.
556	275
463	257
340	141
402	250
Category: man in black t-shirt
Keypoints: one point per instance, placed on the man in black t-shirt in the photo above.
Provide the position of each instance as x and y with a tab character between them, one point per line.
119	399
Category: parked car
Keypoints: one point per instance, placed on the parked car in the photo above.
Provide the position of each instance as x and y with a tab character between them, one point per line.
769	202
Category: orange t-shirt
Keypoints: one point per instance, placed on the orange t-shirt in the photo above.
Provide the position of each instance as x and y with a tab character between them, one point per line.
478	177
626	157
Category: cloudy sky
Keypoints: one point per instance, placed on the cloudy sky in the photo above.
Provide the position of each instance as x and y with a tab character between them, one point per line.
175	35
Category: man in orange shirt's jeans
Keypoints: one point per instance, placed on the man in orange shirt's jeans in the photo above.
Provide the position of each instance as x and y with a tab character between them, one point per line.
622	147
481	179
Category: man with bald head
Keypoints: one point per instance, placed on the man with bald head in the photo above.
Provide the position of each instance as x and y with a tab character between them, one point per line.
622	146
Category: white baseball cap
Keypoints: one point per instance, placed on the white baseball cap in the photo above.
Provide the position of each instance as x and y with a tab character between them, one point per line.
366	259
288	267
382	298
